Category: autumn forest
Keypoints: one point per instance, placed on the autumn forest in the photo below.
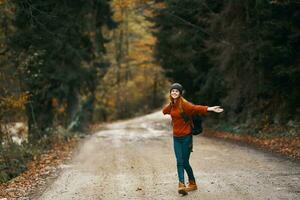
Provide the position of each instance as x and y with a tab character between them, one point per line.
67	66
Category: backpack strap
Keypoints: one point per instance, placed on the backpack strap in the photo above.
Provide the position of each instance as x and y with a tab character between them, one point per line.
185	117
183	114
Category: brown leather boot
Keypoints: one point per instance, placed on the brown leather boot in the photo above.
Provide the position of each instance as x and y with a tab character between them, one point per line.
182	189
191	186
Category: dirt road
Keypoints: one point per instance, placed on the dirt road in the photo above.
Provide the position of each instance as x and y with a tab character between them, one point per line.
134	159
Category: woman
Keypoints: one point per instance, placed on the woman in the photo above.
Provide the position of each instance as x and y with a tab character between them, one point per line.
182	136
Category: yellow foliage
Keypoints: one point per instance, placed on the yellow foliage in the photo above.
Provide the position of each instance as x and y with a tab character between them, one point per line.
15	102
160	5
124	3
61	110
54	102
134	75
58	106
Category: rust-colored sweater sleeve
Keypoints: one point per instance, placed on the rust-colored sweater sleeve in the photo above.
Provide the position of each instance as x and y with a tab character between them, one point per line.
167	109
192	109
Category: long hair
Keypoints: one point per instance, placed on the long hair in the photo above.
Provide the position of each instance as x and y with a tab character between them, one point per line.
180	100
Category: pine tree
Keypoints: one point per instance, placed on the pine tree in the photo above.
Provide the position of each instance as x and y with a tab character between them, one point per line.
240	54
56	51
181	39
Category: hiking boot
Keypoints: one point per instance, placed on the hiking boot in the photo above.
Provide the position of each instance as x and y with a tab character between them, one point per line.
191	186
182	189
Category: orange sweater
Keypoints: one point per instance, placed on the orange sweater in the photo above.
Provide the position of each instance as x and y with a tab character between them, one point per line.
180	127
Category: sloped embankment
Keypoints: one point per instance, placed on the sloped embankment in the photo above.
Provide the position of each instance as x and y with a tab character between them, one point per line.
288	146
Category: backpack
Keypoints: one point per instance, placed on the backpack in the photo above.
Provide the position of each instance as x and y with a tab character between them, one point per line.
196	124
196	121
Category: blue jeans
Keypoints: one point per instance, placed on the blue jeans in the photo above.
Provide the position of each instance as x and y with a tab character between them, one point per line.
183	147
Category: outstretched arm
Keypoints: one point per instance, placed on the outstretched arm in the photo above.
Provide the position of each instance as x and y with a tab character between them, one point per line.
192	109
216	109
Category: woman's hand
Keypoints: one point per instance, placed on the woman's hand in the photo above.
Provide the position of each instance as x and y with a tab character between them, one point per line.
216	109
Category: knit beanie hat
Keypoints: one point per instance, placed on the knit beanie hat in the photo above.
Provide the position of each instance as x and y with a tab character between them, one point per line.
177	86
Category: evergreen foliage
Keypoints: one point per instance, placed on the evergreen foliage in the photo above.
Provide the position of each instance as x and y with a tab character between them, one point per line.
243	55
56	45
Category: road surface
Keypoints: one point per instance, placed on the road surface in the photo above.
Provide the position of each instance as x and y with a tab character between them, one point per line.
134	159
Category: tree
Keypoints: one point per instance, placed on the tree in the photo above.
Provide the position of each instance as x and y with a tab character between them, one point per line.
181	49
134	83
240	54
55	45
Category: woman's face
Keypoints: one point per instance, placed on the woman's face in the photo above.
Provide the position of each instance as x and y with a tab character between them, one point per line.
175	93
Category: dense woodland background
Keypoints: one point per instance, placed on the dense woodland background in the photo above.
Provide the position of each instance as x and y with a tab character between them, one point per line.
65	65
243	55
